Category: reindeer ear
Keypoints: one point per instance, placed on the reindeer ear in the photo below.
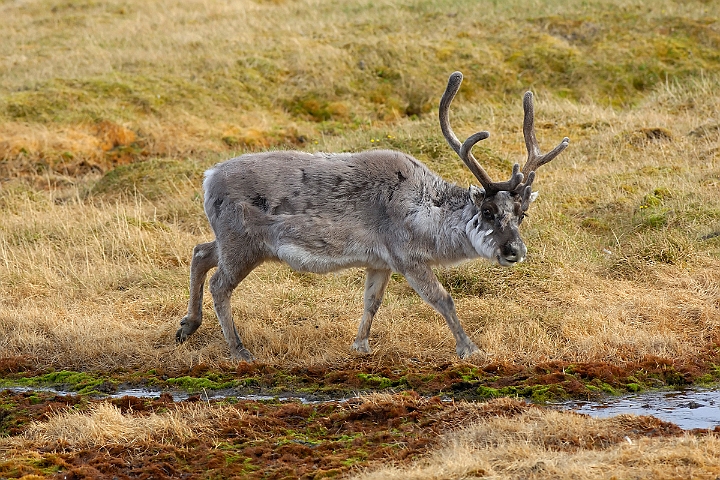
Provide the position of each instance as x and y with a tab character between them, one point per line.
533	196
477	195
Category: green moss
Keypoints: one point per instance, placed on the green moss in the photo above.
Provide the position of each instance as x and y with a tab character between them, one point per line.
598	386
487	392
377	381
30	467
249	382
546	393
78	382
708	379
348	438
536	393
307	437
675	378
350	461
247	465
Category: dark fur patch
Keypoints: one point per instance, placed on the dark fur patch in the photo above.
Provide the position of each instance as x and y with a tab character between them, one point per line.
443	197
260	202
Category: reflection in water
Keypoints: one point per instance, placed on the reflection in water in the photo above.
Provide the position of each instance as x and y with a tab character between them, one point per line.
687	409
177	396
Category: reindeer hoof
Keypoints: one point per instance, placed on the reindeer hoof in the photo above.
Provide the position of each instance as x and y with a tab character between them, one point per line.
465	351
361	346
180	336
243	355
187	328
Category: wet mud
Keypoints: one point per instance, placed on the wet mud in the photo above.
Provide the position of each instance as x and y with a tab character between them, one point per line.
320	428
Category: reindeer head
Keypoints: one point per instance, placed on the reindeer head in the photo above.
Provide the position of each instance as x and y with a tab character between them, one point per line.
501	206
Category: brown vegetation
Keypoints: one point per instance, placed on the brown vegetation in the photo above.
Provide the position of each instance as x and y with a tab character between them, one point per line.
111	111
503	438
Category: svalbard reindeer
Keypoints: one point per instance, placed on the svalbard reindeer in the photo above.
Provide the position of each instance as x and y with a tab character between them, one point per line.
380	209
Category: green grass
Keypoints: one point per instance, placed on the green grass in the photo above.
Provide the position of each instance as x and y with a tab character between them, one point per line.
215	87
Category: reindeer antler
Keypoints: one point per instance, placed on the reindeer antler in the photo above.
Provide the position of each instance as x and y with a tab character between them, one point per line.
535	159
463	150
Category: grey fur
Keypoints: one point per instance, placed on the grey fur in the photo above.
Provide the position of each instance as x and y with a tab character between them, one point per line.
382	210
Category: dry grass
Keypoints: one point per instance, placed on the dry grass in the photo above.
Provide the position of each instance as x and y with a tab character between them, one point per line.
547	444
89	85
110	111
502	438
95	277
105	426
624	251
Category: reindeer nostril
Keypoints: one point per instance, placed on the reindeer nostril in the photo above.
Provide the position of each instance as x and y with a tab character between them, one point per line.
510	252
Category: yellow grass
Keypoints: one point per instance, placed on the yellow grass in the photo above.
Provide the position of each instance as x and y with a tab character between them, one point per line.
192	77
94	278
547	444
105	426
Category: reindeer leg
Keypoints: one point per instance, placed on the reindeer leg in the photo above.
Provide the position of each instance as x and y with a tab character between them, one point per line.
205	257
426	284
222	284
375	283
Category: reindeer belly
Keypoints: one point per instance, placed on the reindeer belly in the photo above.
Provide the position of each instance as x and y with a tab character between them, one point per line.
303	260
314	245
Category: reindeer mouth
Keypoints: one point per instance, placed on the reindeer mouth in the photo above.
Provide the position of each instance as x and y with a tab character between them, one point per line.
508	262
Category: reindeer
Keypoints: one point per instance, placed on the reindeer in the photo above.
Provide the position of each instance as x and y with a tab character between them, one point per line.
382	210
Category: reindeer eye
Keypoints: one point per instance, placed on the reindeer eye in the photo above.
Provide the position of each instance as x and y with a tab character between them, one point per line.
522	216
487	214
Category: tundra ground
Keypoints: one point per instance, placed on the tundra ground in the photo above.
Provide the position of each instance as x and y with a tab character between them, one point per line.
111	111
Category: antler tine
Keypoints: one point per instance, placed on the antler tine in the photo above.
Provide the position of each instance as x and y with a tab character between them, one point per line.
462	149
510	185
467	146
452	88
535	158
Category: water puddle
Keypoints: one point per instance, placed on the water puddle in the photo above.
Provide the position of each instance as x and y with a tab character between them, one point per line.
688	409
178	396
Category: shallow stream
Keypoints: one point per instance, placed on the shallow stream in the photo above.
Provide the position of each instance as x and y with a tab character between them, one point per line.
688	409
